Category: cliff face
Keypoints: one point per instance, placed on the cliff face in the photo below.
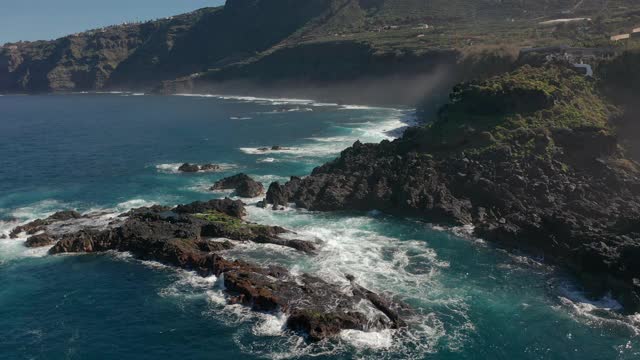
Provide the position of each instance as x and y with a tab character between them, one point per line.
86	61
529	158
141	55
268	41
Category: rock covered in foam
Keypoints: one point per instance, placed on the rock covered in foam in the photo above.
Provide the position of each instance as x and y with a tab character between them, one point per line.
40	224
194	168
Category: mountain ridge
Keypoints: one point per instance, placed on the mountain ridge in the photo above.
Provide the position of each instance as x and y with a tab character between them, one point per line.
233	41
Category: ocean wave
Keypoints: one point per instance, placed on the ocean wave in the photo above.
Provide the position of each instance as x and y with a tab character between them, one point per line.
373	131
288	110
253	99
368	340
286	101
382	264
133	204
40	209
605	311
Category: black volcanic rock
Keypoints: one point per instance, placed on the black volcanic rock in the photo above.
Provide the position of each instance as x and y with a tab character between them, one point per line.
314	306
227	206
524	177
40	224
194	168
189	168
279	195
243	185
39	240
209	167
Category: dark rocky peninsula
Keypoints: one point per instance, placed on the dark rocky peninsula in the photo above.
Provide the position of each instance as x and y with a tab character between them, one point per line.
531	159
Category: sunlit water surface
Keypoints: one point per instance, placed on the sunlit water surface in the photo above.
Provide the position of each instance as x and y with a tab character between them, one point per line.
117	151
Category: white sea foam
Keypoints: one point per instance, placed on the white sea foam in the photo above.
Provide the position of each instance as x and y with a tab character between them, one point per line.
368	340
605	311
268	179
379	263
271	325
253	99
172	168
387	126
289	110
39	209
132	204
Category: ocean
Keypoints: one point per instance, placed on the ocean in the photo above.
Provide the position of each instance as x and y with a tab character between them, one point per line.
112	152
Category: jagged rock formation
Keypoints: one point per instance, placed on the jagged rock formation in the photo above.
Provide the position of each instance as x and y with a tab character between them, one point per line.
182	237
529	158
40	224
242	184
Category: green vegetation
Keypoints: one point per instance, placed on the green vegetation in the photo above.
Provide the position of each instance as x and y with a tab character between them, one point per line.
230	40
232	227
521	107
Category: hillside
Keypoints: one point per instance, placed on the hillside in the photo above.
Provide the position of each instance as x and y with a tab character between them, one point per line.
273	40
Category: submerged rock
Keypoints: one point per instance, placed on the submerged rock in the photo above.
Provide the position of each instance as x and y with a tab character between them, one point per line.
189	168
210	167
242	184
194	168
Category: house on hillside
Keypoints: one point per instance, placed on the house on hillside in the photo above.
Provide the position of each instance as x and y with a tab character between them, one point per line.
620	37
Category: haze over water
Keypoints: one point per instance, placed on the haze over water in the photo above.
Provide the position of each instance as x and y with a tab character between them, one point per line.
112	152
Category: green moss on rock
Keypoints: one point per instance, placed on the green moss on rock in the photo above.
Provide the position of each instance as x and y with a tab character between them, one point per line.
520	108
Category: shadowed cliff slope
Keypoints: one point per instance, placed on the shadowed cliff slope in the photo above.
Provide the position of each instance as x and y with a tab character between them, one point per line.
268	41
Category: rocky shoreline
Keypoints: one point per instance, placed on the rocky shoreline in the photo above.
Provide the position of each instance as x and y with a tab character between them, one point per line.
529	159
194	237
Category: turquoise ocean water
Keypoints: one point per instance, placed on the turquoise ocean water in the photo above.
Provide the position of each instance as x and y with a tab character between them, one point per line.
112	152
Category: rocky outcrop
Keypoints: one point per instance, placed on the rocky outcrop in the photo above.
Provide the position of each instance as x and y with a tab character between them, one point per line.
194	168
39	240
520	172
242	184
40	224
181	237
233	208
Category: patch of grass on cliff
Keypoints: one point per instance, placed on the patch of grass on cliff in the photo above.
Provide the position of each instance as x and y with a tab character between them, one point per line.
516	108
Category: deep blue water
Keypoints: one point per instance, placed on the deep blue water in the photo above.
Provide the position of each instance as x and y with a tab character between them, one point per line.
116	151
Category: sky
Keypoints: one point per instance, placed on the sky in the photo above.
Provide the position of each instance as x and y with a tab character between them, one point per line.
50	19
